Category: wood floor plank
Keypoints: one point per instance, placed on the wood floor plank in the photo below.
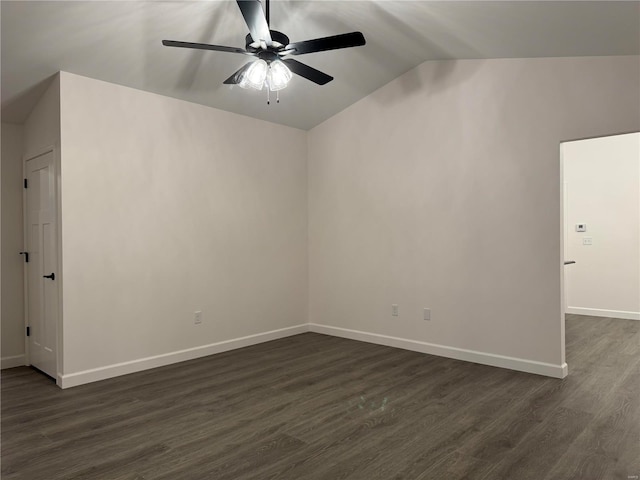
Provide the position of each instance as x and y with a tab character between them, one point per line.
536	455
318	407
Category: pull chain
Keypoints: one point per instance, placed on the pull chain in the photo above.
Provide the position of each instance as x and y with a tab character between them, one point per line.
269	96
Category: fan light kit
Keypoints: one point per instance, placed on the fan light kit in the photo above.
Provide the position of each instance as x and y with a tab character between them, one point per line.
273	76
273	69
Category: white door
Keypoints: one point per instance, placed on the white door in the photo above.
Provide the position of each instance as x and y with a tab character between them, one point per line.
42	283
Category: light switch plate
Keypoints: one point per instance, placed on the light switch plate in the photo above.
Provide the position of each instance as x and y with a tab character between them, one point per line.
581	227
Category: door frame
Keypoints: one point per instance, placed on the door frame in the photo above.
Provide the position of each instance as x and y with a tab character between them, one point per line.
30	155
563	214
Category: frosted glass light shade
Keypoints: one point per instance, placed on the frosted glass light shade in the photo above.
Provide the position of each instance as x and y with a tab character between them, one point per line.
255	75
278	76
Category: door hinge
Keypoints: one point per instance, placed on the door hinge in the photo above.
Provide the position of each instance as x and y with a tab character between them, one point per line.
26	256
28	331
26	183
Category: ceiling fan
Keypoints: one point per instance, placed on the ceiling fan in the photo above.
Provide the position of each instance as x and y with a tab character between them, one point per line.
273	68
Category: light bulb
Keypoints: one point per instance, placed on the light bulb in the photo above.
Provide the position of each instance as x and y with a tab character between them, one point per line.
255	75
278	76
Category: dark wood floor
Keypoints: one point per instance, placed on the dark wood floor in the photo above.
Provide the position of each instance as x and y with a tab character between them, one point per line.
318	407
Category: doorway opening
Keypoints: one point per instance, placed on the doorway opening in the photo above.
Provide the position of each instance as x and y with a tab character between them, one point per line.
600	241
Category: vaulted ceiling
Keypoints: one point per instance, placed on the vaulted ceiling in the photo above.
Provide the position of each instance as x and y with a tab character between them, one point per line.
119	42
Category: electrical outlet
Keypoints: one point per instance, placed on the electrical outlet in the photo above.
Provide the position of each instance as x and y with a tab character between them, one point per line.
197	318
394	310
587	241
427	314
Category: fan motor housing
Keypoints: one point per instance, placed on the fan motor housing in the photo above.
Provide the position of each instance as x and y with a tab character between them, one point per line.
276	36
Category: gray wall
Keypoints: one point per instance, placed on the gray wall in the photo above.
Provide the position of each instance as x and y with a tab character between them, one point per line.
442	190
12	328
168	208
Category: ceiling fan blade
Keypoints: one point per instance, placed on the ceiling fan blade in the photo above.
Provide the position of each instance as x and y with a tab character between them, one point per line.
256	20
205	46
346	40
307	72
233	79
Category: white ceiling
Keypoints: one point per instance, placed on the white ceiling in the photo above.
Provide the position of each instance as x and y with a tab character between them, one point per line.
119	42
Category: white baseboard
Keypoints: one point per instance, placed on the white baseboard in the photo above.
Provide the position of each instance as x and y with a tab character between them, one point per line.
110	371
519	364
597	312
11	362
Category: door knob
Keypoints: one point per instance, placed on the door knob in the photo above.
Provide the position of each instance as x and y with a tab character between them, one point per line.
52	276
